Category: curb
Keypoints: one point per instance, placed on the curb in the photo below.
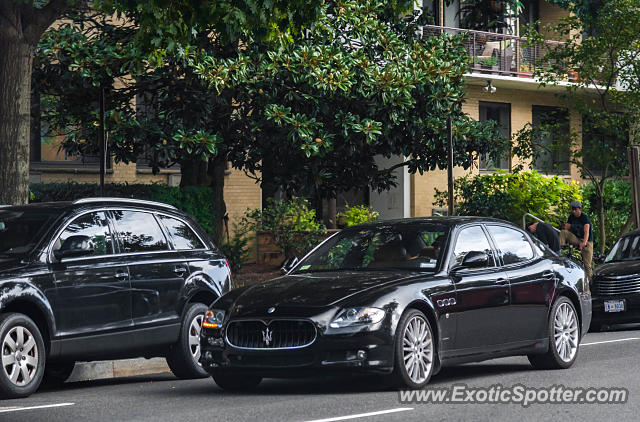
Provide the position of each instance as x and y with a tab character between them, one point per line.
87	371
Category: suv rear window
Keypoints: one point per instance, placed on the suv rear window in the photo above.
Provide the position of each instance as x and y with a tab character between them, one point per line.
139	232
181	234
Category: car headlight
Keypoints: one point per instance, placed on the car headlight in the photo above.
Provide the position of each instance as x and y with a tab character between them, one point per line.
357	316
213	318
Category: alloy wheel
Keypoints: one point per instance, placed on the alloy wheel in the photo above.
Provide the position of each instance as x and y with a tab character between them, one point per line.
19	355
194	337
417	349
565	326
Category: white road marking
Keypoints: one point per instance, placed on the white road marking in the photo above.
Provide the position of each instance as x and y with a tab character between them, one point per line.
46	406
363	415
610	341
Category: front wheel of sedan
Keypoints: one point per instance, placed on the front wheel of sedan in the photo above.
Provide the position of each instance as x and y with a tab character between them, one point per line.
414	351
184	356
22	354
564	337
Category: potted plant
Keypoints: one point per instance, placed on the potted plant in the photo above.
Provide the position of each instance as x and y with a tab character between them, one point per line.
526	70
489	63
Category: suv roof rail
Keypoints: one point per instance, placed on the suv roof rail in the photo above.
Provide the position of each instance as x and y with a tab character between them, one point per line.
123	200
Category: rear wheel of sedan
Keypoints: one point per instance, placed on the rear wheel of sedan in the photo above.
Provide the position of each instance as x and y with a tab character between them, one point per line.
236	382
564	337
22	354
414	351
184	356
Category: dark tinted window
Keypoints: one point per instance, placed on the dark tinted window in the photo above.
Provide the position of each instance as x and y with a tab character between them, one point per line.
471	239
139	232
513	245
183	237
21	228
94	227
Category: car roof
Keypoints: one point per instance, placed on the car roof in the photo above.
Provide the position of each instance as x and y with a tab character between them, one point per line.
105	201
446	220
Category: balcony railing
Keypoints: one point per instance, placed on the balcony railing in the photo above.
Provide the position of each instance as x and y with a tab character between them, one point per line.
497	54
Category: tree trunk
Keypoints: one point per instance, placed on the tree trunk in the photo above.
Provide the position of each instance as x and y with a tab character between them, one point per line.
211	174
15	108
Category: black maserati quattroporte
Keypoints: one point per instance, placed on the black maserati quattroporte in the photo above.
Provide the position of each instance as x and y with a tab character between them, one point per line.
402	298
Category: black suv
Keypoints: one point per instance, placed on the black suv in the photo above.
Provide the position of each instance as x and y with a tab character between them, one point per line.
101	278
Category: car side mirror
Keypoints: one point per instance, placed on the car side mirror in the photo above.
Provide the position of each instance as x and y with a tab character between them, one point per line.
288	265
75	246
475	259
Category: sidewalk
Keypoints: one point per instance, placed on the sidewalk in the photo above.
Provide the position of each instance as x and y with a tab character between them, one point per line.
85	371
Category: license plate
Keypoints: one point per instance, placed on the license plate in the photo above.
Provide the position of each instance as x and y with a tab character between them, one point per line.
614	305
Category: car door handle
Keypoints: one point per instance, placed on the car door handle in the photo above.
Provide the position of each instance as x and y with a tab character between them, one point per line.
180	271
502	280
121	275
548	275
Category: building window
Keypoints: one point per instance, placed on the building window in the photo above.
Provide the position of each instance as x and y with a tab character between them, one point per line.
500	113
600	147
551	132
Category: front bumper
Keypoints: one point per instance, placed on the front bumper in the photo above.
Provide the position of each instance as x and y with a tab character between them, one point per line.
630	314
370	351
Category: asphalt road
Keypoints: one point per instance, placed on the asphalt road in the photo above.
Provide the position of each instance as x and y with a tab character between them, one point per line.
610	359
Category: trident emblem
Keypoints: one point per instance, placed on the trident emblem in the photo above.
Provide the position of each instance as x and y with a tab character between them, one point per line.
267	336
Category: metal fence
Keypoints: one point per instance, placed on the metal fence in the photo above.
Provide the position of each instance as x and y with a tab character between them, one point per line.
499	54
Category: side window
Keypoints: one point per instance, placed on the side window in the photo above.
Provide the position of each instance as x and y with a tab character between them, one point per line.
91	230
139	232
513	245
471	239
181	234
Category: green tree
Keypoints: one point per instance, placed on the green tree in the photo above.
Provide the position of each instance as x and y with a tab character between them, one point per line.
360	84
164	27
603	45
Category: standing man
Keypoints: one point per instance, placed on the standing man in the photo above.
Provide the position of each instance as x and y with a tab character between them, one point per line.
546	234
578	232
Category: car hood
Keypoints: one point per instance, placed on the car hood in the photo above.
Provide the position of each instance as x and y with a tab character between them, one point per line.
621	269
312	290
8	263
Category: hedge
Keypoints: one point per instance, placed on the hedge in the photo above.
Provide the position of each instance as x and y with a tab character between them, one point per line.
194	200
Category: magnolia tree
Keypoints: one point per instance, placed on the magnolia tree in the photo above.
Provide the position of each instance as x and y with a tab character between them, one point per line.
603	47
163	29
361	83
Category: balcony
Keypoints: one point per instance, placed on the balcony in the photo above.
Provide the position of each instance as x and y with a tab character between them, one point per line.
497	54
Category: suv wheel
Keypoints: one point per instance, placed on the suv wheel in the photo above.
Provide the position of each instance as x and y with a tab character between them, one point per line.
22	354
184	356
564	337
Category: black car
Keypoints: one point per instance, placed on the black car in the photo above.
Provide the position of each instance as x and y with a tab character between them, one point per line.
402	298
101	278
616	284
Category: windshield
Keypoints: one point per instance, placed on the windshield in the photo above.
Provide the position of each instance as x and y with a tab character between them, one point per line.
626	248
21	229
415	246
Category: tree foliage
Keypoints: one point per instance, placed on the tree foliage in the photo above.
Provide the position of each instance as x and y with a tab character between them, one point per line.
359	84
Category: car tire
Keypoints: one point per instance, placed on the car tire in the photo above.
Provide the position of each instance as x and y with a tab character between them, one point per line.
415	351
236	382
20	339
56	373
183	357
564	337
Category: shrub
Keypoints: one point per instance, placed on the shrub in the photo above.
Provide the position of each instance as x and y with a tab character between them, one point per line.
235	249
292	223
194	200
509	196
358	214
